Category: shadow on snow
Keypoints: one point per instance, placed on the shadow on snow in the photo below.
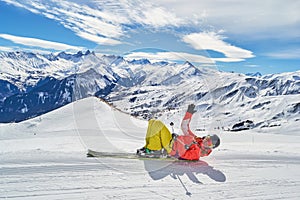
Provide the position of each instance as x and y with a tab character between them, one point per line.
158	169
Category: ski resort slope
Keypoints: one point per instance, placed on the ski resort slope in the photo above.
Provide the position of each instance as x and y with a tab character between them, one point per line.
45	158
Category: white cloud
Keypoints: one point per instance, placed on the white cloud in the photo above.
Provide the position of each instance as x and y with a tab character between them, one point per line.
21	5
169	56
104	22
110	22
97	39
152	15
293	53
5	48
34	42
252	18
86	22
111	19
213	41
78	16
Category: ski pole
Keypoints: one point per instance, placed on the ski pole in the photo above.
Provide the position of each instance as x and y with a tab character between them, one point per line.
172	124
186	190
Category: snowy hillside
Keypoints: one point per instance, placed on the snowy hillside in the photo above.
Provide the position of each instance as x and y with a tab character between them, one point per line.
45	158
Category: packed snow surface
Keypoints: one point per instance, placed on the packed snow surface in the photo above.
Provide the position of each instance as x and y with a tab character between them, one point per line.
45	158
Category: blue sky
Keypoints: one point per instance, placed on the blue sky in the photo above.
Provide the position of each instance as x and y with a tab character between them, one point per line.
241	36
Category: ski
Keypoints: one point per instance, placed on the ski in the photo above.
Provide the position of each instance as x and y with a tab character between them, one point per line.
92	153
124	155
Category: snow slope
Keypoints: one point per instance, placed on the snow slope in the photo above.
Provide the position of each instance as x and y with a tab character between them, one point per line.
44	158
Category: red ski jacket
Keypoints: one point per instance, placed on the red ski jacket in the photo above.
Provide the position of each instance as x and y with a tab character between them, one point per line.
188	146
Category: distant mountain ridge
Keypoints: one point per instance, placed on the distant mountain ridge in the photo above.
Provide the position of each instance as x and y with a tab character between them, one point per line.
256	74
33	84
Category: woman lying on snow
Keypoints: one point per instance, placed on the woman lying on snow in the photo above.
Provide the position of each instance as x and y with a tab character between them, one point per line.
187	146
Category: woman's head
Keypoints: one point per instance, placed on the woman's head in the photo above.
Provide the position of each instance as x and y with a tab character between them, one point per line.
211	141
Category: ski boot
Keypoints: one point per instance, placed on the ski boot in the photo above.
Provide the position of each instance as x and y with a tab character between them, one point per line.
147	153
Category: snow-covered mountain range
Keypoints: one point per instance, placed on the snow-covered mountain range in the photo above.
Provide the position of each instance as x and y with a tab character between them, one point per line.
32	84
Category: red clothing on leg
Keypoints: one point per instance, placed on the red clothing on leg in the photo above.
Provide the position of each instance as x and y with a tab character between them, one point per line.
185	124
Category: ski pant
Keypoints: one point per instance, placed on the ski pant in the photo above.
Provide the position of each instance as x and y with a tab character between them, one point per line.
158	136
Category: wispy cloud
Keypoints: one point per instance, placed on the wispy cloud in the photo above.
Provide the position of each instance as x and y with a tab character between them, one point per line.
112	22
44	44
21	5
169	56
253	18
86	22
214	41
104	22
109	20
293	53
149	14
5	48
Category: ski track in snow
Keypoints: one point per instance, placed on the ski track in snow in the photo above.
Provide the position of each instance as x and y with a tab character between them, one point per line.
105	178
222	176
42	161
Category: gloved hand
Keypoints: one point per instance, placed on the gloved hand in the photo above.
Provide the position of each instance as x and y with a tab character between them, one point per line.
174	136
191	109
